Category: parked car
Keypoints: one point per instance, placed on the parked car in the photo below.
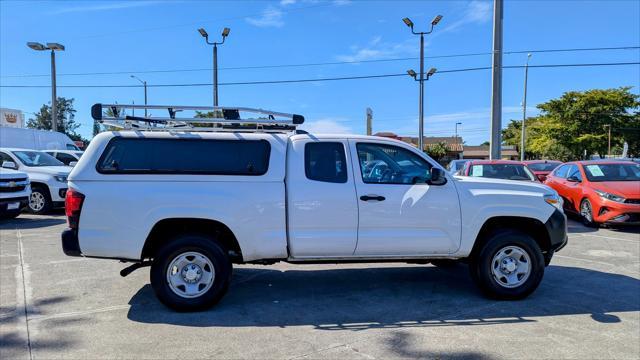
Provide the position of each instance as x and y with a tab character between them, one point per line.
67	157
14	137
14	191
541	168
456	165
498	169
191	204
600	191
48	177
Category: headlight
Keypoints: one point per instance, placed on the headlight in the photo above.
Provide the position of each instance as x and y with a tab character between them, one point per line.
554	200
61	178
607	196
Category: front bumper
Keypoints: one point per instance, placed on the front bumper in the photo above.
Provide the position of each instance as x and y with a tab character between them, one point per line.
4	203
557	229
70	243
611	212
58	193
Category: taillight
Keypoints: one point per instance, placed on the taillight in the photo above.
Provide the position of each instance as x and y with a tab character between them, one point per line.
72	207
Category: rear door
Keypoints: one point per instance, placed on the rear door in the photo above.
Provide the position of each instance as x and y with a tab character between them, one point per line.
400	214
321	199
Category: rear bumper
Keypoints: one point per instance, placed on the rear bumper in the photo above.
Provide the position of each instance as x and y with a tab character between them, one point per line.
70	243
557	230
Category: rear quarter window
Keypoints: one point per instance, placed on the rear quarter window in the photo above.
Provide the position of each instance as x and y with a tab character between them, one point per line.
185	156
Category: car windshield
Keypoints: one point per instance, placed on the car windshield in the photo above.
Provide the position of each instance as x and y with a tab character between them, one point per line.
612	172
37	158
547	166
502	171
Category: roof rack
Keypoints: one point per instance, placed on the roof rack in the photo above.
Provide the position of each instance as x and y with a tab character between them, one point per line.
265	121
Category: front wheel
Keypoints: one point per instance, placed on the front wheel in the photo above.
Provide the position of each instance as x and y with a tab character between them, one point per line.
586	213
191	273
510	266
40	200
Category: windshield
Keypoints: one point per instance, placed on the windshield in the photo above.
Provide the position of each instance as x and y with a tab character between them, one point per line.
37	158
548	166
612	172
502	171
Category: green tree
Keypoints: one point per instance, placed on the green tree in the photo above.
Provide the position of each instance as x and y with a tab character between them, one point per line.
65	118
437	151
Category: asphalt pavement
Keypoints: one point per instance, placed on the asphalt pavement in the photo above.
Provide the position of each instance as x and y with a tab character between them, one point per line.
54	306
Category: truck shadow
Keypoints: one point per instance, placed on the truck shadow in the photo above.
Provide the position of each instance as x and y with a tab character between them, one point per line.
393	297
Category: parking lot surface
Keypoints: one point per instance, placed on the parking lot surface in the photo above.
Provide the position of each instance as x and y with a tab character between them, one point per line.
54	306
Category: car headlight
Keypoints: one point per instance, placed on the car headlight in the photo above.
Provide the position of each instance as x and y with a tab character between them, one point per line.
61	178
612	197
554	200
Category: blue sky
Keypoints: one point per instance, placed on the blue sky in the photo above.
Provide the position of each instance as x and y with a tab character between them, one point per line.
136	36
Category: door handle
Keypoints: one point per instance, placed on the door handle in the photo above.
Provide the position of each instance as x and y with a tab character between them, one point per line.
372	197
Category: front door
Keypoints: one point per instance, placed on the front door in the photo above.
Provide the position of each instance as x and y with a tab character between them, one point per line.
400	213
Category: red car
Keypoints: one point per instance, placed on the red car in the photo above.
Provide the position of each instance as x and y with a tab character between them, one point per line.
498	169
600	191
541	168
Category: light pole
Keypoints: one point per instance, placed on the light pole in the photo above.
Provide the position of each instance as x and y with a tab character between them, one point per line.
458	123
524	108
409	23
225	33
609	145
414	75
53	47
145	92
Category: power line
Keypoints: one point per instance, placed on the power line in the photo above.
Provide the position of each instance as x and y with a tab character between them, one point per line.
254	67
377	76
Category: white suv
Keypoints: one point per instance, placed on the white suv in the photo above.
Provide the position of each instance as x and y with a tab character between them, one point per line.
48	177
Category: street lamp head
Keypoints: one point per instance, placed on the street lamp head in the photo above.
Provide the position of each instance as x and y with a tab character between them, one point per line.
55	46
225	32
36	46
436	20
431	71
458	123
203	32
529	55
412	73
408	22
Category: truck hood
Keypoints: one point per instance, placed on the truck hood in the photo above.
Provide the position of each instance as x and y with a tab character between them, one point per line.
11	174
626	189
50	170
473	182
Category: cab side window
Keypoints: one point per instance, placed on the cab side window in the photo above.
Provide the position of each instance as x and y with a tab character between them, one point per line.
388	164
65	158
325	161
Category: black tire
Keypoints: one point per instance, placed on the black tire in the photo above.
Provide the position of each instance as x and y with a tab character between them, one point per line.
43	191
444	263
11	214
204	245
481	265
587	215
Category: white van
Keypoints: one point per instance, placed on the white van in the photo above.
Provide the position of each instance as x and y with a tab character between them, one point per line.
12	137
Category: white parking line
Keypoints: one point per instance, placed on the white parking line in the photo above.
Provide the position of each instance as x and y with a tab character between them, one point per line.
78	313
608	237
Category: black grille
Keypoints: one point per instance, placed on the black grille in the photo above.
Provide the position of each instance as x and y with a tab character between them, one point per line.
11	189
18	185
632	201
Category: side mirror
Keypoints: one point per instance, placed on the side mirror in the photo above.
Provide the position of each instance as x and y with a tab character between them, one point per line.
73	163
437	177
9	165
573	179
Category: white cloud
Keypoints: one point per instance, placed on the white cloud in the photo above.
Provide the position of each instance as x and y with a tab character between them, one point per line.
287	2
341	2
326	126
104	6
477	12
378	49
270	17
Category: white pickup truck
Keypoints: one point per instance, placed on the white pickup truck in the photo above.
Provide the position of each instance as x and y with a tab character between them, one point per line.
191	204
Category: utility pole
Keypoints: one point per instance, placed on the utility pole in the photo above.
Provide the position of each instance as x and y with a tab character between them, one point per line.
456	134
369	121
609	145
524	108
496	86
225	33
409	23
144	83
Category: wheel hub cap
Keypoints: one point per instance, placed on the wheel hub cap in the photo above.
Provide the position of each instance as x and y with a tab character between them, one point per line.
511	266
190	274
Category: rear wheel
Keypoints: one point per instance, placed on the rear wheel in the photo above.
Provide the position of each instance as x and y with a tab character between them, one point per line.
40	200
510	266
586	213
191	273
